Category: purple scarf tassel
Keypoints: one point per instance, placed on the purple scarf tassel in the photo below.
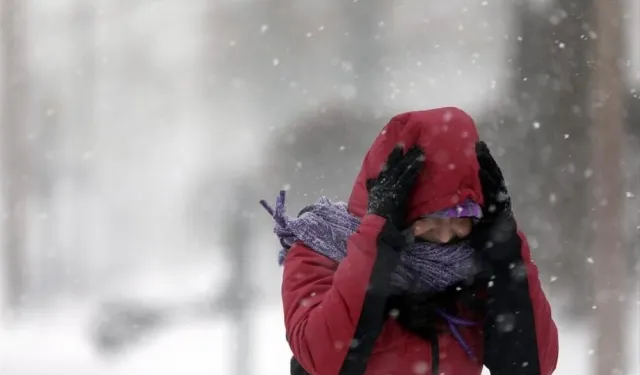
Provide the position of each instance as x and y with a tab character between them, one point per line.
425	267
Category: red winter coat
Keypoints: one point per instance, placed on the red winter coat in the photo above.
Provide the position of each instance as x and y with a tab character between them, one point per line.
334	312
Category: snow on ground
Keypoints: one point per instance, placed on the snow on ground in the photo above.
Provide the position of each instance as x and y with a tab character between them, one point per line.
60	345
57	344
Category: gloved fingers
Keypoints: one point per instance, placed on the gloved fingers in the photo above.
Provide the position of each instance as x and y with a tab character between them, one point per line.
413	155
409	175
395	157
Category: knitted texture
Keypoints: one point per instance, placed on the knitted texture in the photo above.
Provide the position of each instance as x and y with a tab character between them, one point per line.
325	227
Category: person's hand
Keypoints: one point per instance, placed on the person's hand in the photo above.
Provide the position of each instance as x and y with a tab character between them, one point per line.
495	236
389	192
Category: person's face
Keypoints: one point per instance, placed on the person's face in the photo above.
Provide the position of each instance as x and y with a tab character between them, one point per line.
442	230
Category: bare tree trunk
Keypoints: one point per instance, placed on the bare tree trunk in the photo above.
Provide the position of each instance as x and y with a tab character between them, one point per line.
80	133
43	275
607	142
238	297
546	111
239	289
14	148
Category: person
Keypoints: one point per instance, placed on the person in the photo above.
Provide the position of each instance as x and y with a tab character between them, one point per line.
423	271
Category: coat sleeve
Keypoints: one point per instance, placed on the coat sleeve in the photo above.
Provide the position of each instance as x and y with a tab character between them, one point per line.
334	313
521	337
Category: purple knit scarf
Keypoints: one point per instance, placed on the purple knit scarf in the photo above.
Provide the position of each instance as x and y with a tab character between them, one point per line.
325	227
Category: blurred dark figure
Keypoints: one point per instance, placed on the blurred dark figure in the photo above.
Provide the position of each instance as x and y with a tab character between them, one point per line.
123	323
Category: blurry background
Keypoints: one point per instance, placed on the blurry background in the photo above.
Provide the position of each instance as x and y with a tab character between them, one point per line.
137	136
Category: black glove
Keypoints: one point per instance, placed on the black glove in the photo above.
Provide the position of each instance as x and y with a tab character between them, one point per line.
495	236
389	192
509	326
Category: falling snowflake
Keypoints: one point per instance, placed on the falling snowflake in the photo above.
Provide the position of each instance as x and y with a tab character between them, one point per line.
421	367
588	173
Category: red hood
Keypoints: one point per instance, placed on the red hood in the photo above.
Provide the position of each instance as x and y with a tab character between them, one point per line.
448	137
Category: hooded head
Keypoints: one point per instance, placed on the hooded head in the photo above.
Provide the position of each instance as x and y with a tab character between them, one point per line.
448	136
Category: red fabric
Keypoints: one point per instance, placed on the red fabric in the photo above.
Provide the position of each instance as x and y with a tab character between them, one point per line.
323	300
448	137
546	330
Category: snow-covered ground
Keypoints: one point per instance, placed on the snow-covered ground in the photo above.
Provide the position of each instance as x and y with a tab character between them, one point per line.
58	344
